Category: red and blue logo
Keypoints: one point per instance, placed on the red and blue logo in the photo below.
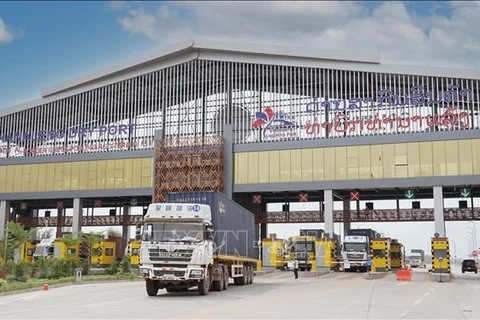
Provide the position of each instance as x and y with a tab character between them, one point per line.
274	124
271	119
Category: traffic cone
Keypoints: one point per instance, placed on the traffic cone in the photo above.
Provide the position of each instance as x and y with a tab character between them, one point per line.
45	286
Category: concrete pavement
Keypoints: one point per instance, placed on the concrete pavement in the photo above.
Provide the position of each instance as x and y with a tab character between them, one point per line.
273	296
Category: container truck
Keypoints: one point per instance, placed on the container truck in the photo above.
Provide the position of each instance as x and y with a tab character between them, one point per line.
417	259
356	249
302	249
197	239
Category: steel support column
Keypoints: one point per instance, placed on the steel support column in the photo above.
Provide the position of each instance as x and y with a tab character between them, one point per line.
329	227
125	228
438	211
4	216
77	216
228	160
346	216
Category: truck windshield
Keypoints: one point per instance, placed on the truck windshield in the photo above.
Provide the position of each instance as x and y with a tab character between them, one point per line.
173	232
304	246
355	247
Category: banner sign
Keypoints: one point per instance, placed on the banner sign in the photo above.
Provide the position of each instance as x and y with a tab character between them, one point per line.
385	98
42	135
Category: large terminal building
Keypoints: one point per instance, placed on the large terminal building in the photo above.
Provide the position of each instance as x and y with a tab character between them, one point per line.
262	124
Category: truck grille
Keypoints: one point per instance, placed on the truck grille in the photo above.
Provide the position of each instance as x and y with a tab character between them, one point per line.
355	256
159	273
174	255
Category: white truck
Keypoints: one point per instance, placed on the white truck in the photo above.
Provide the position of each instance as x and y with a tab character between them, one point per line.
417	259
180	248
355	253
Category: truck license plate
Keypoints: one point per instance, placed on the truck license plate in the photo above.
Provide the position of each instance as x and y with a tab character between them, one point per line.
168	276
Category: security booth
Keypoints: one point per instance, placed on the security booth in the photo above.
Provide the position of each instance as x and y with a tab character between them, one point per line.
380	254
104	253
273	253
397	255
440	255
134	252
326	254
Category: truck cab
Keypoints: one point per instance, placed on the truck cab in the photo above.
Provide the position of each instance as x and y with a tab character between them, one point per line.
355	253
176	246
303	250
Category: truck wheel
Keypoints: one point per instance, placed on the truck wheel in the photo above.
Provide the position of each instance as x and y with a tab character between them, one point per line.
217	285
204	285
225	278
252	275
170	289
243	280
152	288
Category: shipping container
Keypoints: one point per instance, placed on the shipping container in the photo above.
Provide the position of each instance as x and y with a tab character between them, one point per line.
317	233
370	233
234	225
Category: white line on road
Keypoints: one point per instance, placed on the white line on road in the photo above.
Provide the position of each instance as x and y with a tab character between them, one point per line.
426	294
404	313
418	301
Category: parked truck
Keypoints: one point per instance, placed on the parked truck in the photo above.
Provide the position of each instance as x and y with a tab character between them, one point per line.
356	249
302	249
417	259
197	239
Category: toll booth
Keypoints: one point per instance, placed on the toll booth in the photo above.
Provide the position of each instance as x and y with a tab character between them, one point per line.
440	255
134	252
26	251
325	255
63	251
380	254
273	253
397	255
104	253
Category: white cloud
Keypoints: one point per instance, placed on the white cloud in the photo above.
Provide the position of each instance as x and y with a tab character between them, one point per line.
139	22
402	36
6	35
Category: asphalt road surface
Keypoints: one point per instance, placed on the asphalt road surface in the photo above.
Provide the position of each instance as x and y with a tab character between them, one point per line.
272	296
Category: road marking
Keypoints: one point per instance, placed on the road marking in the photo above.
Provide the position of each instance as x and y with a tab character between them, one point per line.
418	301
404	313
426	294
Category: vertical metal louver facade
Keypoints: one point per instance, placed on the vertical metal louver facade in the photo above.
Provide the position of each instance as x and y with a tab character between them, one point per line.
263	103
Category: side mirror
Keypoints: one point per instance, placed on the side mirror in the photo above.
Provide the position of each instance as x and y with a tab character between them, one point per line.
138	231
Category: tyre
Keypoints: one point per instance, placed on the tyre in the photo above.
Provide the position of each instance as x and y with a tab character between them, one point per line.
217	285
225	278
204	285
243	279
252	275
170	289
152	288
249	275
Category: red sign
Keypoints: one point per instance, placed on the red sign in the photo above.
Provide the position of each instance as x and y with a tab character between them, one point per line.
303	197
355	195
257	198
98	203
59	204
343	123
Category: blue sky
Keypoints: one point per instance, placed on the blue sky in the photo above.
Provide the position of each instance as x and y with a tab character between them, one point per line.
55	41
60	40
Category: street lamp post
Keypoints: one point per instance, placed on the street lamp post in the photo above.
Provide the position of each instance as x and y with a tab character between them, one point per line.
5	243
440	259
474	231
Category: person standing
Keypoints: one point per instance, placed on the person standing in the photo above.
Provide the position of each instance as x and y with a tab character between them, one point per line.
295	268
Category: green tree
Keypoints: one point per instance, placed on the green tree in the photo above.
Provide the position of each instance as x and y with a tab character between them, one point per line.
16	236
70	239
89	240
